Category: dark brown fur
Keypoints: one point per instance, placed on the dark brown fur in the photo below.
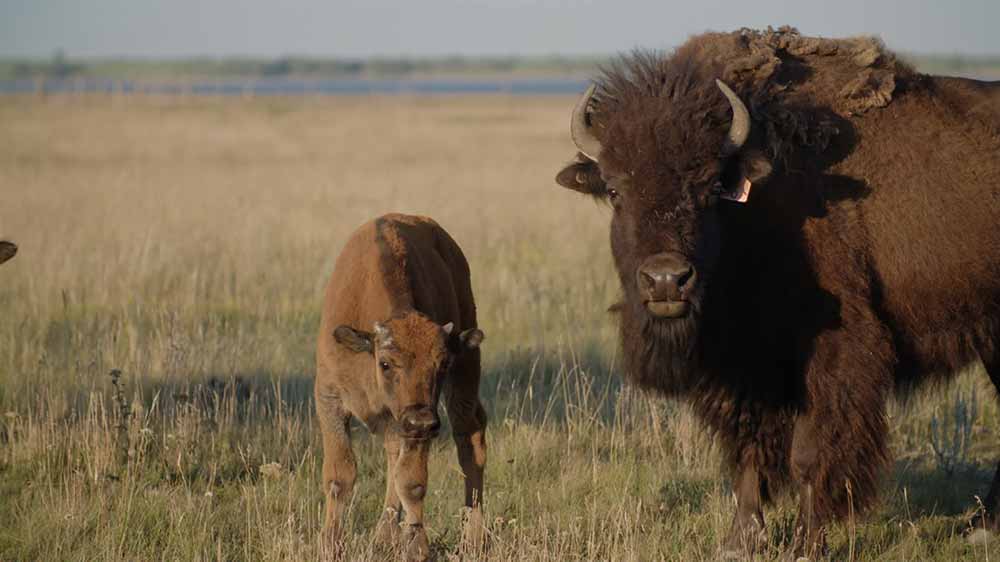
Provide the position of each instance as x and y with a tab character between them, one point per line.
867	260
404	278
7	250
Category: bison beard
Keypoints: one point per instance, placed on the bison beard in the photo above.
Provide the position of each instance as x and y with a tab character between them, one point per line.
659	353
866	260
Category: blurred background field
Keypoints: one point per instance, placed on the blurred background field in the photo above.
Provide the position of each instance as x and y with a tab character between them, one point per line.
62	66
180	185
186	240
249	76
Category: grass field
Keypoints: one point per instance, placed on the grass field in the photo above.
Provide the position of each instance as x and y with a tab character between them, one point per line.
186	243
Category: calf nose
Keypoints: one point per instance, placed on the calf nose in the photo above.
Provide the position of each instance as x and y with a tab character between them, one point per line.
666	277
420	421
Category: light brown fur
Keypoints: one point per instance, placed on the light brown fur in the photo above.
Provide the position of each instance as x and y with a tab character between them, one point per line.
405	278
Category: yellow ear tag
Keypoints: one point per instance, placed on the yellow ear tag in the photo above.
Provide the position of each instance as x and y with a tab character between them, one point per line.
740	194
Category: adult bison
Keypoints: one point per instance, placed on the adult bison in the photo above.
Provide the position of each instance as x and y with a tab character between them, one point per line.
7	250
800	226
406	280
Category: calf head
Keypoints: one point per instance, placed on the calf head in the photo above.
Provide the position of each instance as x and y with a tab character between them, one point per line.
7	250
411	357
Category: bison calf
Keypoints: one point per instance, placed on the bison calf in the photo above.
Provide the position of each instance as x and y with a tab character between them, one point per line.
405	279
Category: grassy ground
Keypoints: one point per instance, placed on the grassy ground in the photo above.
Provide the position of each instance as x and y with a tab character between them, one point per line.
186	243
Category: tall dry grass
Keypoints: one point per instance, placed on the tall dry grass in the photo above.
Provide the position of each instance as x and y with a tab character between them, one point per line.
186	242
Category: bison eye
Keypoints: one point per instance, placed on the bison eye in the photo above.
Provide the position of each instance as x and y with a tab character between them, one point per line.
613	194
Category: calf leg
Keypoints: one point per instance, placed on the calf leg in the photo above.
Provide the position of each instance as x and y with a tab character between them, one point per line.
468	420
411	487
388	525
339	466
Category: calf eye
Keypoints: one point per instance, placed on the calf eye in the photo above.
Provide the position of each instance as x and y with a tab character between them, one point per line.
384	365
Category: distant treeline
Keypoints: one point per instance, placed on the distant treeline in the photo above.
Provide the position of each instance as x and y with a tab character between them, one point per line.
61	66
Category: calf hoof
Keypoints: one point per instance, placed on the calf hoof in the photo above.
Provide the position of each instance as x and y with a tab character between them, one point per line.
387	529
416	547
332	547
473	531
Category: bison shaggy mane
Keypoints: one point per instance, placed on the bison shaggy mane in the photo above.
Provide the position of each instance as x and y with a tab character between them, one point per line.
866	261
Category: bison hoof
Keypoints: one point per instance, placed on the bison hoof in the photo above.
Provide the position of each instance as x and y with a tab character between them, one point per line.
745	538
416	545
978	537
473	531
727	554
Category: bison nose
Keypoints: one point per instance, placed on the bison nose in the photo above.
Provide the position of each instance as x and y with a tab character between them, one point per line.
420	421
666	277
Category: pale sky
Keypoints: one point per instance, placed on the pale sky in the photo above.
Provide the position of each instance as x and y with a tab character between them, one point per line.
170	28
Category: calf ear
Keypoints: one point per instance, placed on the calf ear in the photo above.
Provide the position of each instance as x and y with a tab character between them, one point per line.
583	176
356	340
7	250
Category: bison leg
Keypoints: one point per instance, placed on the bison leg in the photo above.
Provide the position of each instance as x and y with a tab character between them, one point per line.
748	524
810	535
838	444
411	487
388	525
468	420
836	462
339	466
988	519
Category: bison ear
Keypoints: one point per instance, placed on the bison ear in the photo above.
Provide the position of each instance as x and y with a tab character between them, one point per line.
448	328
356	340
7	250
747	169
471	338
754	166
583	176
468	340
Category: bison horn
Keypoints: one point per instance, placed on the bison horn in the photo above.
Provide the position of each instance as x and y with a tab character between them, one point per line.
579	127
740	128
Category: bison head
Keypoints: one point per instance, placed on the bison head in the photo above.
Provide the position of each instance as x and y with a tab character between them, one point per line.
663	160
412	354
7	250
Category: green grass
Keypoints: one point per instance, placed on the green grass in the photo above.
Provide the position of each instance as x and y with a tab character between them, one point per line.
187	242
